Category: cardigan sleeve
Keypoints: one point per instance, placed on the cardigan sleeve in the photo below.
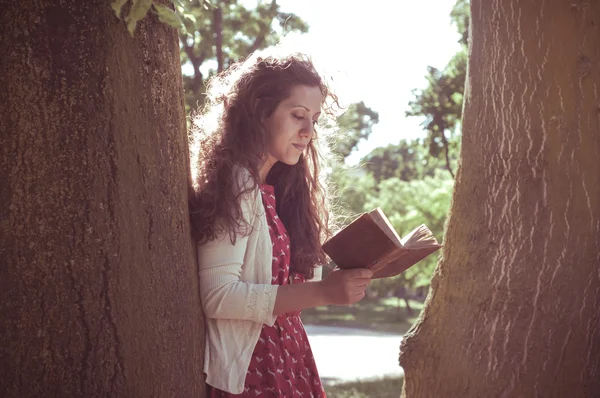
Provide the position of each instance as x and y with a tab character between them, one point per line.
318	274
224	295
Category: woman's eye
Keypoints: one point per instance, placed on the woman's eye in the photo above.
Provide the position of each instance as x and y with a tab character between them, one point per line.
299	117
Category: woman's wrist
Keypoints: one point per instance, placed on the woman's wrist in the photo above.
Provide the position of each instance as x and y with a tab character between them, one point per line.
297	297
320	294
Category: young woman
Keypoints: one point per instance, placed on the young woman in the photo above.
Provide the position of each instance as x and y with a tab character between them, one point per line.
259	214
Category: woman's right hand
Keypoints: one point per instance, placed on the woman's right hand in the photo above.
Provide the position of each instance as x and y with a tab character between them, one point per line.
345	287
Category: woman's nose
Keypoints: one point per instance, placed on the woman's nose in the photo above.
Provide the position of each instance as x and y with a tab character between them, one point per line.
308	130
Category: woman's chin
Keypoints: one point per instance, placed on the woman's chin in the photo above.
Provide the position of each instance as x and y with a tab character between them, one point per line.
292	161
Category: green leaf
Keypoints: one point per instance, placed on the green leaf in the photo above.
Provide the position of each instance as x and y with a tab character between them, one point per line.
139	9
189	21
117	5
190	16
182	6
168	16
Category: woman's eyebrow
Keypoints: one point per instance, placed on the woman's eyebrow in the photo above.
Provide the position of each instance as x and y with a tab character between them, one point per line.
307	109
301	106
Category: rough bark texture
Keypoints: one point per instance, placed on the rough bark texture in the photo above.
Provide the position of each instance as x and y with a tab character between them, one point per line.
514	309
98	283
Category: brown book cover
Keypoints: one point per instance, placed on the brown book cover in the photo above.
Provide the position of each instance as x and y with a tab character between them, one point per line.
371	242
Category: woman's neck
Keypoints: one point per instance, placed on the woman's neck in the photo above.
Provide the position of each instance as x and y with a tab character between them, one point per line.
263	171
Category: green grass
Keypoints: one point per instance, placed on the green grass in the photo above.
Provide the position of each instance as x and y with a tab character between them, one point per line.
384	315
387	387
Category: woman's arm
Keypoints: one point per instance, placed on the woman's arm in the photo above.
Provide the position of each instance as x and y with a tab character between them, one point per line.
225	296
222	292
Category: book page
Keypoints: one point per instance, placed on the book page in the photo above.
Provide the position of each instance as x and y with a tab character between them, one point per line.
382	221
420	237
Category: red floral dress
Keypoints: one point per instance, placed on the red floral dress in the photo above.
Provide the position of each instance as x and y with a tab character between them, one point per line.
282	364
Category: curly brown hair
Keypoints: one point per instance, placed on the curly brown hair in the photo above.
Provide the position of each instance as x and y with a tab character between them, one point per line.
228	133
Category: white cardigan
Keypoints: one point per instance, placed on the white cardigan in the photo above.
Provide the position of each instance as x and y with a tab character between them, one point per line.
237	295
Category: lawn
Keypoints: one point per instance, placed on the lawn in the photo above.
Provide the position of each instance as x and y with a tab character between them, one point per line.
379	388
380	314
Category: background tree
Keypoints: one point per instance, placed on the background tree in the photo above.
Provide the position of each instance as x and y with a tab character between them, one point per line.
441	101
355	124
513	309
98	281
408	160
220	32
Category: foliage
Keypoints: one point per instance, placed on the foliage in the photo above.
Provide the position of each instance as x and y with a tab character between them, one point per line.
407	205
460	16
441	105
424	200
352	187
407	160
225	33
441	101
214	34
355	125
139	9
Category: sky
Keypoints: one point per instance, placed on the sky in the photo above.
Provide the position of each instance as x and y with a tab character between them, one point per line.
378	52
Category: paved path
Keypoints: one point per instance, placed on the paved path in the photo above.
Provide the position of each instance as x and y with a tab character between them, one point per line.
346	354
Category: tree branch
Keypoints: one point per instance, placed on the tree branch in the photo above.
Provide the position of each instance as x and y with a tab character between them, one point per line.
257	43
218	35
196	63
264	30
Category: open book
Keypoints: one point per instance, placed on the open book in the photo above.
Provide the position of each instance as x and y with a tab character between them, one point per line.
371	242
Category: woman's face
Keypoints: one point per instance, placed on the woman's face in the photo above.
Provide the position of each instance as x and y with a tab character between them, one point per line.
291	126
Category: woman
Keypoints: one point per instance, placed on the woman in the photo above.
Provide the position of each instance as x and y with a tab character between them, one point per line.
259	214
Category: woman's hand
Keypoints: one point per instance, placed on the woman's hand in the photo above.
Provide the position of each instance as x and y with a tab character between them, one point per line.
345	287
340	287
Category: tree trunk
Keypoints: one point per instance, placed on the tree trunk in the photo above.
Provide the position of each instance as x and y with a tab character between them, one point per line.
447	154
98	282
514	308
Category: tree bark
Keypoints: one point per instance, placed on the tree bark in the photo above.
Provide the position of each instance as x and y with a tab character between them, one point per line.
514	307
447	153
98	280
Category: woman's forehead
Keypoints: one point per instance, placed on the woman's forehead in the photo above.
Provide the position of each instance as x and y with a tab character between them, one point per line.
308	97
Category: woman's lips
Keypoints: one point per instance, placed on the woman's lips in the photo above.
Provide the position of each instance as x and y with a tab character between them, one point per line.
299	147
